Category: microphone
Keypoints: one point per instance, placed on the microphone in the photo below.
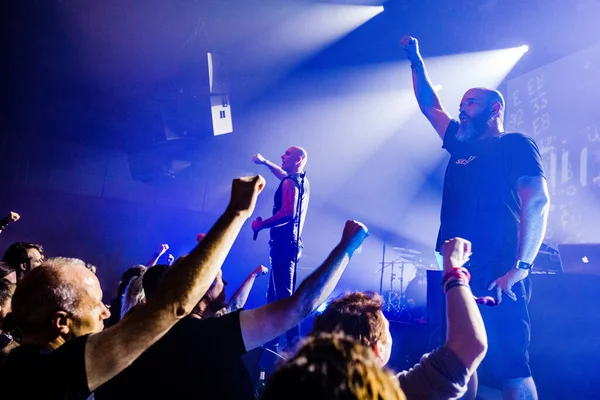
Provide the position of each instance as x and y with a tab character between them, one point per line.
256	232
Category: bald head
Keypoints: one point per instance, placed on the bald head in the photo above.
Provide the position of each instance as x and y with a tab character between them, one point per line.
299	151
491	98
59	284
294	159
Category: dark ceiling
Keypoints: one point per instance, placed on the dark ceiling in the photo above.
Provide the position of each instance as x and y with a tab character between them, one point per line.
96	66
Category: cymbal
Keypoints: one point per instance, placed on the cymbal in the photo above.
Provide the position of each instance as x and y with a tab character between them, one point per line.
407	251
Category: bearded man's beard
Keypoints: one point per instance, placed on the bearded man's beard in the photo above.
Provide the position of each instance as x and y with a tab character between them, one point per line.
472	128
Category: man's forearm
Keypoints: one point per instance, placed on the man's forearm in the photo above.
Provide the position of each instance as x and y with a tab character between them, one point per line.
188	281
239	298
153	260
275	169
426	96
320	284
534	215
279	218
466	333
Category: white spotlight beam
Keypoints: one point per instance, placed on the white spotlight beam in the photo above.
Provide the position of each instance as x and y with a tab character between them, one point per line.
307	29
457	73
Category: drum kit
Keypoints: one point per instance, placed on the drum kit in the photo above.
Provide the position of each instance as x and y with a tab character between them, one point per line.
405	303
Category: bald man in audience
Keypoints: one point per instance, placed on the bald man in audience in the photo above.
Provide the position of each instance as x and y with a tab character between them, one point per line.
58	308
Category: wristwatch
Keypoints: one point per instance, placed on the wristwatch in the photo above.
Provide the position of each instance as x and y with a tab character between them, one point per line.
523	265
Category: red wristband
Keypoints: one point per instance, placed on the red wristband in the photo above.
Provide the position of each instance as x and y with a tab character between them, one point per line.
460	273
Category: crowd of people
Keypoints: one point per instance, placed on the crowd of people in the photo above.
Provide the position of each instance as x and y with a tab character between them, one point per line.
171	332
185	335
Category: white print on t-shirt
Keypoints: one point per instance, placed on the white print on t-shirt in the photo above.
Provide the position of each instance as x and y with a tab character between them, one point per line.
465	161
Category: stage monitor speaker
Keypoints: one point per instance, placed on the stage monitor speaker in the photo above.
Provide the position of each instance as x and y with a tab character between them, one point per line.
178	121
196	103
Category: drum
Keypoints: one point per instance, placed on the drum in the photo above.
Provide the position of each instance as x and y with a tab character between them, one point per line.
416	296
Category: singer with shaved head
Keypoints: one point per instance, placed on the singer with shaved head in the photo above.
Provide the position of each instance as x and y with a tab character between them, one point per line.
495	195
286	224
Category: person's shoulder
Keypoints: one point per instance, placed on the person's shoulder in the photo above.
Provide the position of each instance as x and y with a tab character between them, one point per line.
291	181
516	138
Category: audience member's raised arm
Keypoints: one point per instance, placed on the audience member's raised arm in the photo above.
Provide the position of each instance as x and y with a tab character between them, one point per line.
110	351
267	322
156	256
9	219
466	332
239	298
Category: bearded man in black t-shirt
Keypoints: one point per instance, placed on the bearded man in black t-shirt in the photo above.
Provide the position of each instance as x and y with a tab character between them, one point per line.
495	195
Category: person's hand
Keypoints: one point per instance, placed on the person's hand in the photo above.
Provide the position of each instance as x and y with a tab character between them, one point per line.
9	219
244	192
411	46
257	224
456	252
354	234
163	249
505	283
258	159
261	270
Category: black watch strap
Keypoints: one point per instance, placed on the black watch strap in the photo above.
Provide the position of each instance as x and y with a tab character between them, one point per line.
523	265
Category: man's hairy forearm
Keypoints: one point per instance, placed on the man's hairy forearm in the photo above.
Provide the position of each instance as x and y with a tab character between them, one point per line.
188	281
112	350
320	284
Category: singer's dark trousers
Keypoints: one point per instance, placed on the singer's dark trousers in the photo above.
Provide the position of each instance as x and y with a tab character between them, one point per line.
282	282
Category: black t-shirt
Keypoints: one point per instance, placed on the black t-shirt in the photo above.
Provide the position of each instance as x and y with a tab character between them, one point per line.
480	201
286	233
196	359
32	372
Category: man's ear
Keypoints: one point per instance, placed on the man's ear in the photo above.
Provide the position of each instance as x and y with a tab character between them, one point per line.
378	349
60	323
495	109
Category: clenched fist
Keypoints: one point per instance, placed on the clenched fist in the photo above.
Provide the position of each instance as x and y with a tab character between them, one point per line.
258	159
456	252
244	192
354	234
411	46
